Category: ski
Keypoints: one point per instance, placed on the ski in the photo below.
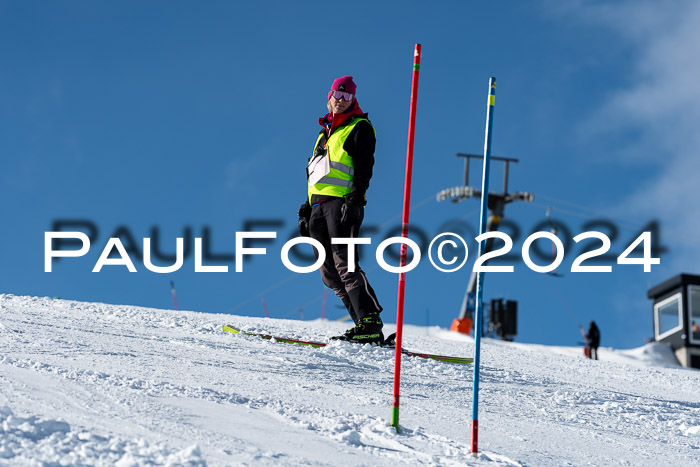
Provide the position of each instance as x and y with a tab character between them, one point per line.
388	344
233	330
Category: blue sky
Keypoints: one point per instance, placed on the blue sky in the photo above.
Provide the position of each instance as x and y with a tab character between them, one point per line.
177	114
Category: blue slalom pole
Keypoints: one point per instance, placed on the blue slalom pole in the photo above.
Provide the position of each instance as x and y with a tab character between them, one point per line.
480	277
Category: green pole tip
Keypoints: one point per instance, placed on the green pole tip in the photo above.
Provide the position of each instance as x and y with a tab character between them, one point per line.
395	419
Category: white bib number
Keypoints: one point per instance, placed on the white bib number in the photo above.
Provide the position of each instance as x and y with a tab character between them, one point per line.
318	167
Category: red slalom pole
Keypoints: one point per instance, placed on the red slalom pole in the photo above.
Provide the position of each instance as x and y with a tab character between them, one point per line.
404	233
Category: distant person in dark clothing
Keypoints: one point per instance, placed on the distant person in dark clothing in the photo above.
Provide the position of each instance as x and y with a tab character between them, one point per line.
593	337
696	331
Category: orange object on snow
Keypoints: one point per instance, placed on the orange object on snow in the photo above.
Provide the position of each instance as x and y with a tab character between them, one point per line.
463	325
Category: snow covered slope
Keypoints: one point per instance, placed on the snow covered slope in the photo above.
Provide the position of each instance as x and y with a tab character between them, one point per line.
104	384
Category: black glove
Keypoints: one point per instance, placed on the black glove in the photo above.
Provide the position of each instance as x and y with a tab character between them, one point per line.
304	216
350	213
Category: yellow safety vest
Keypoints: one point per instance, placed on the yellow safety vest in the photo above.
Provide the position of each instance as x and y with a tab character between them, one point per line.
338	182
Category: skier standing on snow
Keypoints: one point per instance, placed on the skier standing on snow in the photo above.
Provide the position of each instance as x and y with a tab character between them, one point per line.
338	175
593	337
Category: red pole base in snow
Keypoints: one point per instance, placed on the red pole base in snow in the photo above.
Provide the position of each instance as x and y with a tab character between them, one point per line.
475	436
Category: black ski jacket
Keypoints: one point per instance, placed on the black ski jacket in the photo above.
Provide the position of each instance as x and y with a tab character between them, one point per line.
593	336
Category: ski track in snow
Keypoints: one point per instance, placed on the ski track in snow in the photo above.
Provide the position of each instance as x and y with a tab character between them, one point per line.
90	383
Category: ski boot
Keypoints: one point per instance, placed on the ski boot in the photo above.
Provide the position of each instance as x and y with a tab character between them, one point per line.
353	315
368	331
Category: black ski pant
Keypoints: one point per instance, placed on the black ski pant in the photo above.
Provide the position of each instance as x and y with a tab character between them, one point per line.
352	288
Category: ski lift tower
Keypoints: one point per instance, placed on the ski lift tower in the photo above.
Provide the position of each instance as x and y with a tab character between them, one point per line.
496	205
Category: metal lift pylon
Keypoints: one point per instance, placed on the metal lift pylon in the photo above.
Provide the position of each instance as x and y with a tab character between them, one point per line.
496	205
